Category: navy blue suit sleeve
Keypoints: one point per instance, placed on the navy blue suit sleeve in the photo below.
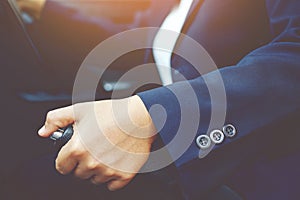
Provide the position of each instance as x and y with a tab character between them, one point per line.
262	89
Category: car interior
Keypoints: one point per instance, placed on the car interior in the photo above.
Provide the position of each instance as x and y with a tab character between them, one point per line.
39	60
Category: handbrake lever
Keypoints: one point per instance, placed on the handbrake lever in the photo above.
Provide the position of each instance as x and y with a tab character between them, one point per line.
63	135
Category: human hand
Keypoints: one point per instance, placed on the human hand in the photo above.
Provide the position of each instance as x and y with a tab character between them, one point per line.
111	141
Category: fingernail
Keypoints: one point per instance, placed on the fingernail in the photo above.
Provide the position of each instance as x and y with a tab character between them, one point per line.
42	131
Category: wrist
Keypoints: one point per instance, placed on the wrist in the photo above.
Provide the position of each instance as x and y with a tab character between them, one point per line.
140	117
138	113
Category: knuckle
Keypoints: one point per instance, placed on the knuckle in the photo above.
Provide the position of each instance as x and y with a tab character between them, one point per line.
77	153
76	150
97	181
92	165
50	116
127	177
59	168
113	186
79	174
109	172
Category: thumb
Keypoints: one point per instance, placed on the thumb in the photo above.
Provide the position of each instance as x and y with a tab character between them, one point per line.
56	119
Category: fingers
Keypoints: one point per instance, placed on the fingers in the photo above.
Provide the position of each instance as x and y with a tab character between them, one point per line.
65	161
56	119
95	171
80	154
83	172
118	184
73	157
101	178
70	155
86	168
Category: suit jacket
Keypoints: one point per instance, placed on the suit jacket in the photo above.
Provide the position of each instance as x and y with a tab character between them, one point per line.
256	46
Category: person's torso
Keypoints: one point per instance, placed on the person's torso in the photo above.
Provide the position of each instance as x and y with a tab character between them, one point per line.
227	29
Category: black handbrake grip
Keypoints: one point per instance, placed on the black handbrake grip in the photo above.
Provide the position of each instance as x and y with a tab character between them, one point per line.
63	135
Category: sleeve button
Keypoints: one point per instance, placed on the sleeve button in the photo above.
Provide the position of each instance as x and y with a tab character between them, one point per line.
229	130
217	136
203	141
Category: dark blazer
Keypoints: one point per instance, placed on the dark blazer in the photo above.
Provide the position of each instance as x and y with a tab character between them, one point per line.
256	46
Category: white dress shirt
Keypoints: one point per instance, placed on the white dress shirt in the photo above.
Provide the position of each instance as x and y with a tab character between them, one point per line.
173	22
